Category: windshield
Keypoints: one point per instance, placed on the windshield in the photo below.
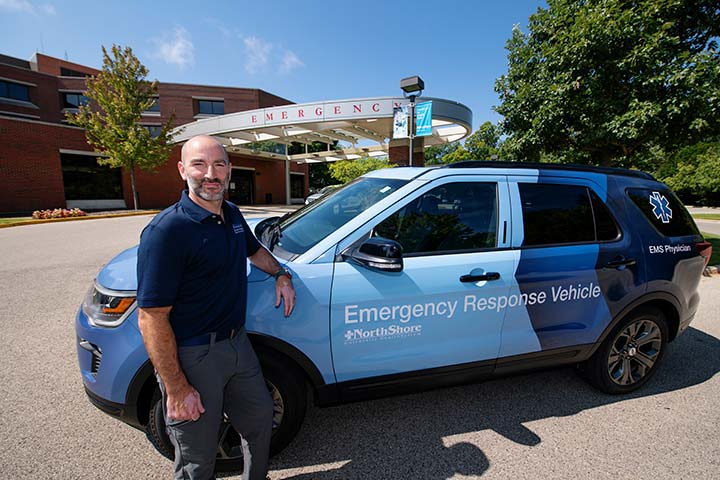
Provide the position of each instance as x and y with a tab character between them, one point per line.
304	228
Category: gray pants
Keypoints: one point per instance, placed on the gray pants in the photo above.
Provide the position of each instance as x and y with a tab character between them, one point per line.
228	377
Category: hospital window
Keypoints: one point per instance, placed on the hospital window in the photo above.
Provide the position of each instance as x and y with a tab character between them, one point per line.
15	91
211	107
73	99
155	107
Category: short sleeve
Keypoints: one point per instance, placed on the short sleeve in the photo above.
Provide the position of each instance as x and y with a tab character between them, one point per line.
160	264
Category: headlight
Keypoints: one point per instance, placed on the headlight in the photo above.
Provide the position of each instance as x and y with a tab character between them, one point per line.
108	308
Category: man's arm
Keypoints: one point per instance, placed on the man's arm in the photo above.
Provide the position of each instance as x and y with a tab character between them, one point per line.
284	290
183	401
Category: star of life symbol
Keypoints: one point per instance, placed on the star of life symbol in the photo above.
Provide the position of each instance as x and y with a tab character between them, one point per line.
349	335
661	207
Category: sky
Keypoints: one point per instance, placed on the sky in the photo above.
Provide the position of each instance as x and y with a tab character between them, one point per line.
303	51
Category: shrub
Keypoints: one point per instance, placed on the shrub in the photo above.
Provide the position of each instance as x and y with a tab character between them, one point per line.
58	213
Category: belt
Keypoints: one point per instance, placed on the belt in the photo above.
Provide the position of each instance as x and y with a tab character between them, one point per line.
206	338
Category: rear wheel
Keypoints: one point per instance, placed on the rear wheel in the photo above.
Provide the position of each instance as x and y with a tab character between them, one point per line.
286	384
630	355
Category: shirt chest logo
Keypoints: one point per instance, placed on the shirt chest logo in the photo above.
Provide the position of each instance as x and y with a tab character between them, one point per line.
237	228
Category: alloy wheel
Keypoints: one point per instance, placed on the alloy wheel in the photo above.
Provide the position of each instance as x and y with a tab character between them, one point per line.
634	352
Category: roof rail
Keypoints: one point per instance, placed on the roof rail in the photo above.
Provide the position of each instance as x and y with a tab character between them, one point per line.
550	166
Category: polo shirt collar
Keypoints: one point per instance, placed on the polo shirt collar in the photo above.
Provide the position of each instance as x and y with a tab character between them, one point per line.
195	211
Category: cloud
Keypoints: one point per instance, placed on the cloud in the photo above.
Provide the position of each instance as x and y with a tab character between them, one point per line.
23	6
176	48
258	53
224	30
290	62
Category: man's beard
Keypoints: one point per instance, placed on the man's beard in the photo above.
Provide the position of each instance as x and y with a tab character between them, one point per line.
196	187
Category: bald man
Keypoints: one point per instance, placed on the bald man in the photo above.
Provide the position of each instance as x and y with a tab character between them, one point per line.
192	298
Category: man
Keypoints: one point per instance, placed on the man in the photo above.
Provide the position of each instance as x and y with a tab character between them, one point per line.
192	289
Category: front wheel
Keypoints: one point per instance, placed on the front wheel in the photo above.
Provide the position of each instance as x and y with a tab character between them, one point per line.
631	353
286	384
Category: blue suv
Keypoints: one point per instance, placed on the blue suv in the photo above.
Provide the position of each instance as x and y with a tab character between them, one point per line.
413	278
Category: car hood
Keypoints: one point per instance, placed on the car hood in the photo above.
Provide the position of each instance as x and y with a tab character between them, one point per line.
120	273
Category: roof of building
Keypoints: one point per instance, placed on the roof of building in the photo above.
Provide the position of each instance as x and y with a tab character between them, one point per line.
350	128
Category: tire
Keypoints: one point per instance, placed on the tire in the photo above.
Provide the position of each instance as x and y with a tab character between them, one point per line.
630	354
286	384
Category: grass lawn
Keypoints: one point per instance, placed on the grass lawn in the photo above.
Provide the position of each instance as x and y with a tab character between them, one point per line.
715	240
706	216
4	221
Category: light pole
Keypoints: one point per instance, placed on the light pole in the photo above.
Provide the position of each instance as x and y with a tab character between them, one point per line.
412	88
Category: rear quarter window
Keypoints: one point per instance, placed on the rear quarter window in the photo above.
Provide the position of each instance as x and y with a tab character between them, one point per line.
664	211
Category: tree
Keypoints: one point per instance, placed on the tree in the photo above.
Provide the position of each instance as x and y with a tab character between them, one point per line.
602	82
484	142
695	170
481	145
434	154
346	170
118	97
319	175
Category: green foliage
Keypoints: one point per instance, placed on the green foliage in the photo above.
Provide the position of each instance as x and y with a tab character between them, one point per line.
434	154
266	146
346	170
695	170
320	175
483	144
460	154
296	148
604	82
118	97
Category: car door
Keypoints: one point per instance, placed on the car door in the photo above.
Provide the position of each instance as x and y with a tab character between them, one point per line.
555	234
442	308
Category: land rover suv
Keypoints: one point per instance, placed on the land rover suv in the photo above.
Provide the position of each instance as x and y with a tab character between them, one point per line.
411	278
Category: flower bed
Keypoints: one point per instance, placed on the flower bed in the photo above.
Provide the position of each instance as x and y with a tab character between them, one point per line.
58	213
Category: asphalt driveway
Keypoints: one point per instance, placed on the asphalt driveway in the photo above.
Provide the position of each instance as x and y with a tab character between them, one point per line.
542	425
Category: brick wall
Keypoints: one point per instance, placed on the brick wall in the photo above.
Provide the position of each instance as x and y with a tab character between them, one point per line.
51	65
30	163
30	149
44	94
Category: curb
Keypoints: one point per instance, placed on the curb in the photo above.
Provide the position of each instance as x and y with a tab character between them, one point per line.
34	221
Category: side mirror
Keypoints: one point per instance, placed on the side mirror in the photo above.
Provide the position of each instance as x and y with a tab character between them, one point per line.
380	254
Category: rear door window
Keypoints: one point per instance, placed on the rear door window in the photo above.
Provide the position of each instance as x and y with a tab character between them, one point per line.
560	214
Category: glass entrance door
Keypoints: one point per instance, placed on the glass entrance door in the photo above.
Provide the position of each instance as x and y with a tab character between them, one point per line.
242	187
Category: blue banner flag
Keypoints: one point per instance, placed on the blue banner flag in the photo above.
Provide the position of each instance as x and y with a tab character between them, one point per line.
423	116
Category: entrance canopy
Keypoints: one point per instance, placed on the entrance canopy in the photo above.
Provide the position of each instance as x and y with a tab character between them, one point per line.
359	126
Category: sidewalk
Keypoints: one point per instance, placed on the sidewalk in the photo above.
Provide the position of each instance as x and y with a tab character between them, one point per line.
693	209
249	211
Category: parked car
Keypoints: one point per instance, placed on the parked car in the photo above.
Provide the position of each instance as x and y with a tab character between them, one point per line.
411	278
323	191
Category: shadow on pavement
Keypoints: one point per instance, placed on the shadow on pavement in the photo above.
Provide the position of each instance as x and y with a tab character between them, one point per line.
402	437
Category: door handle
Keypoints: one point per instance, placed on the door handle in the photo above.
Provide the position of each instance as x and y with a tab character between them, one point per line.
477	278
620	262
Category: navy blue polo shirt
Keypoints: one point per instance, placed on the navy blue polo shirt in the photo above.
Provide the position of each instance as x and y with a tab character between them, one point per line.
190	259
